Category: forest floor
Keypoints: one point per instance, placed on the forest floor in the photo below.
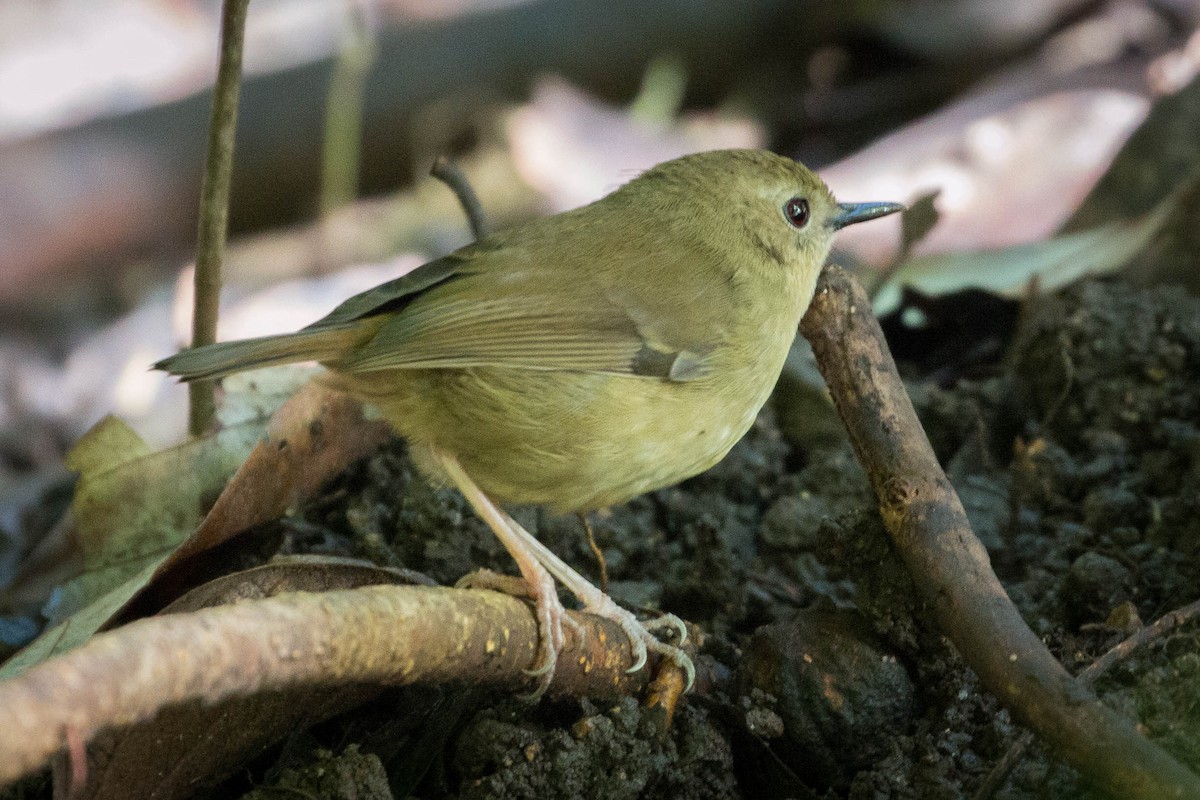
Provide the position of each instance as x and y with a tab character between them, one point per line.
1078	459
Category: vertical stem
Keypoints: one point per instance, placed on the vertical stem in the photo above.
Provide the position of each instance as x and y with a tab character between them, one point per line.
214	204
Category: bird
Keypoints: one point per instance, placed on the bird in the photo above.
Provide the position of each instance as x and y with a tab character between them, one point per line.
584	358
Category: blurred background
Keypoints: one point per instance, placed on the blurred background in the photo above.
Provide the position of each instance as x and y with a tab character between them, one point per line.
996	119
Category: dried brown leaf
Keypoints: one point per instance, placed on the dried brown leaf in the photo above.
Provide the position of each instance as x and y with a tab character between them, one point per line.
135	507
314	436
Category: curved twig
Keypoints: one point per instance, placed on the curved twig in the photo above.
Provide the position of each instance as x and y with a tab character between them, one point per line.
387	634
448	173
953	574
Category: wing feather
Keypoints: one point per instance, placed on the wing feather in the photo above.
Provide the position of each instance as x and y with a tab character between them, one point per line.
482	306
509	331
395	295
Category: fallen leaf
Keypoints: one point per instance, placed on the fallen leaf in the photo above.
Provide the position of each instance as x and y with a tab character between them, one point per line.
605	145
132	507
77	628
140	517
315	435
1053	263
1010	163
298	573
1159	163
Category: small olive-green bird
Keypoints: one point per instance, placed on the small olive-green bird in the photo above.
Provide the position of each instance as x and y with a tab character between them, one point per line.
585	358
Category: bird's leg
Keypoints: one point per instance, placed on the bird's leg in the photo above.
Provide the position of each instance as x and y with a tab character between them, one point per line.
597	602
550	611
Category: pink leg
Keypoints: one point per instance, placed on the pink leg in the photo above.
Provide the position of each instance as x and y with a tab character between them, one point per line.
550	611
641	638
537	563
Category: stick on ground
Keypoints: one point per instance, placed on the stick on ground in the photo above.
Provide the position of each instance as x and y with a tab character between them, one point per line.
1118	653
950	567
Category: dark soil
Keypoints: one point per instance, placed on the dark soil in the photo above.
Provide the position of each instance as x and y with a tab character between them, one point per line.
1078	460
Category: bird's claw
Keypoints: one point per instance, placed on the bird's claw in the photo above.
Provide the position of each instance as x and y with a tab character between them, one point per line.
640	652
642	640
668	621
550	616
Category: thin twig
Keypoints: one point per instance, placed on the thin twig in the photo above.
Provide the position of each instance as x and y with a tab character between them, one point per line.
951	568
448	173
596	551
1125	648
1116	654
214	205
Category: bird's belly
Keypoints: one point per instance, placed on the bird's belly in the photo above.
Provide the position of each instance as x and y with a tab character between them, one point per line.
571	441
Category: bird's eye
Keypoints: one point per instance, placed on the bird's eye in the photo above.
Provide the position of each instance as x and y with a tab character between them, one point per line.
796	211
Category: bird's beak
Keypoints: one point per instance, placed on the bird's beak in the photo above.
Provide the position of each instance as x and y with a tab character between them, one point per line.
850	213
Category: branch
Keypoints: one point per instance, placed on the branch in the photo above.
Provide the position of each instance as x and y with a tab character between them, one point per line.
1126	647
1118	653
378	634
214	205
951	568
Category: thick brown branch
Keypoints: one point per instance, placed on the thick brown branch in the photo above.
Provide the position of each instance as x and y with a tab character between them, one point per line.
951	568
1118	653
385	634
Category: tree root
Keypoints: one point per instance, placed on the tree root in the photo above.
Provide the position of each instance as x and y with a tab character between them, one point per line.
378	634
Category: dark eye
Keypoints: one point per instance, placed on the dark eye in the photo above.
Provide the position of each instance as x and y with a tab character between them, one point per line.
796	211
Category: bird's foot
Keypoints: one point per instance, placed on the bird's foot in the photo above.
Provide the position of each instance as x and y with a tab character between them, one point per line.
493	581
641	635
537	564
548	609
550	613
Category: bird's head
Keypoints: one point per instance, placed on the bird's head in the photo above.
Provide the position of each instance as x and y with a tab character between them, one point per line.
753	206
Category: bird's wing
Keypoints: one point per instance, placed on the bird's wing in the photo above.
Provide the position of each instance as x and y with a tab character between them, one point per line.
500	312
397	294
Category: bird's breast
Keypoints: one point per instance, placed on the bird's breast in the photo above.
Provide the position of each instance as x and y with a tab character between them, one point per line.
575	440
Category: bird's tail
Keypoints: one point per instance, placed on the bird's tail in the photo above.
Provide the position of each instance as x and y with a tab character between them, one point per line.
226	358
